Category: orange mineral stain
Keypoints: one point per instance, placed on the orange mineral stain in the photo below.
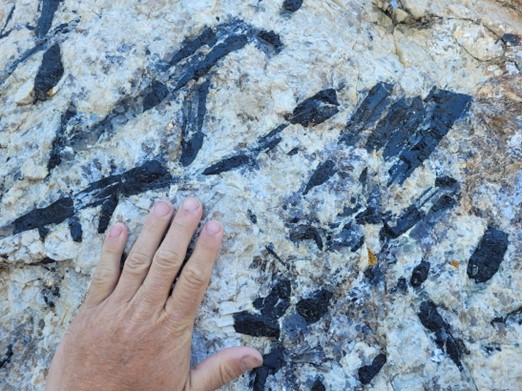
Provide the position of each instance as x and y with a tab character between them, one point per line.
372	258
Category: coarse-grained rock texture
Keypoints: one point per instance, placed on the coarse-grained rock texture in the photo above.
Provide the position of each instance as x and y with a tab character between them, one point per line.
364	156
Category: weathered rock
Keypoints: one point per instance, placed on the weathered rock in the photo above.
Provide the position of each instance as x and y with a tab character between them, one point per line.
345	145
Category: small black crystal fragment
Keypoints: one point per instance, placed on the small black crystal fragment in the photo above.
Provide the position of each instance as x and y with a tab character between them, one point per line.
511	39
322	173
43	232
489	254
229	164
368	372
442	204
313	308
419	274
203	67
272	362
363	178
374	274
433	321
271	38
373	212
107	210
190	148
318	385
76	229
60	140
256	325
7	356
514	317
154	95
49	74
271	250
317	109
277	302
292	5
190	46
411	216
369	111
194	111
402	286
307	232
351	235
446	182
252	217
269	141
50	294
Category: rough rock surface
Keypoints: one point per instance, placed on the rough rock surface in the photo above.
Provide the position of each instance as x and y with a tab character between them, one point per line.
365	158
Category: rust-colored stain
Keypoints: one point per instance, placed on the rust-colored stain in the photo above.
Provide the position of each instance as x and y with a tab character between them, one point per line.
372	258
455	264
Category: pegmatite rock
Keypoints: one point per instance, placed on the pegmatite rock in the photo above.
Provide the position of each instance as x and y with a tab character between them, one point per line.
365	158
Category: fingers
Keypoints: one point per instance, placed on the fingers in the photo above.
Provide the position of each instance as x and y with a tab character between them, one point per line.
223	367
108	270
171	253
140	257
193	281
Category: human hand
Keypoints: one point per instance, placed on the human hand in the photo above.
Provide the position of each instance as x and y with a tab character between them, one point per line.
131	334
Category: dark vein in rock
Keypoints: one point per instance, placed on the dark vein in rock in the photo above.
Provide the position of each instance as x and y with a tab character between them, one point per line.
106	192
4	34
194	111
49	8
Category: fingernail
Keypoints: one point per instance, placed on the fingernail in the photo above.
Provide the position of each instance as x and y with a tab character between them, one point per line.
249	362
162	209
213	227
190	204
115	231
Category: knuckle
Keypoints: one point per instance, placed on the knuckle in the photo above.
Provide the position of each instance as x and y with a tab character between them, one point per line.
168	257
137	262
177	325
226	374
102	275
208	246
179	225
112	251
194	277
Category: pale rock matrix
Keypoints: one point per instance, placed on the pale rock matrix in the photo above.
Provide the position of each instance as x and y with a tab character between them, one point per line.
365	158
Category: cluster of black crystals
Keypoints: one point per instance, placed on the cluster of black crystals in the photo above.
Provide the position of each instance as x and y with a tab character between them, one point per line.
405	130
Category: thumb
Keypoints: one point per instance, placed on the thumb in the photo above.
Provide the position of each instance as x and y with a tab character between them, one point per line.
223	367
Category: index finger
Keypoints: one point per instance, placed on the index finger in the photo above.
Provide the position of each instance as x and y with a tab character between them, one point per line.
188	292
